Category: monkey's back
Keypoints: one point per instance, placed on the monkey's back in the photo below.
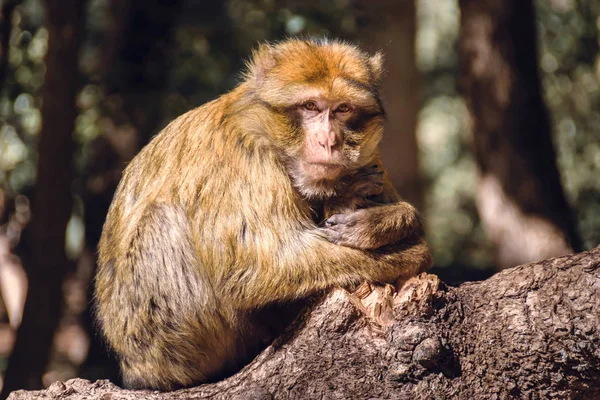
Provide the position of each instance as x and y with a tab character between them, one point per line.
212	224
169	243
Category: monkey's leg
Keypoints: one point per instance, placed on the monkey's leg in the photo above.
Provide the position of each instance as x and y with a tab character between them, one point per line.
158	307
413	254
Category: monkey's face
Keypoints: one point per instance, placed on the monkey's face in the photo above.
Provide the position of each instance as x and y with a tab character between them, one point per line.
331	117
334	137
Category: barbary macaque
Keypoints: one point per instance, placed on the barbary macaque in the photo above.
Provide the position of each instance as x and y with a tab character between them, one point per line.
268	194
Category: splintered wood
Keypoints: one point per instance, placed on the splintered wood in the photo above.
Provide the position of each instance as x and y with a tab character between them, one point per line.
378	301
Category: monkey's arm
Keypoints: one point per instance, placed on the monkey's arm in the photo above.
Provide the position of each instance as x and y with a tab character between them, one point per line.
375	227
281	254
308	263
369	213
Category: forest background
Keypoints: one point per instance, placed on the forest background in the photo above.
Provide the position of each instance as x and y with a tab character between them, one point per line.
74	111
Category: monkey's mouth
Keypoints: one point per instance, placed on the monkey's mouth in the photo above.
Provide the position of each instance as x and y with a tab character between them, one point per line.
323	170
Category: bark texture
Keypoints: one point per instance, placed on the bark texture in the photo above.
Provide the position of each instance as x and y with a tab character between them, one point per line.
52	204
528	332
519	197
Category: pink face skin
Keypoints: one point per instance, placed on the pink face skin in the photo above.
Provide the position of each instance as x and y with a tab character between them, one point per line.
338	137
322	122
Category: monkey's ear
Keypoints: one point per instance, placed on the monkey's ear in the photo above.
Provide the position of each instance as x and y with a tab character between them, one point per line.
376	64
262	61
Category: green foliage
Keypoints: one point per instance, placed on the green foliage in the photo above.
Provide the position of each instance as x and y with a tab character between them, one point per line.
569	47
20	100
213	38
210	54
570	61
453	228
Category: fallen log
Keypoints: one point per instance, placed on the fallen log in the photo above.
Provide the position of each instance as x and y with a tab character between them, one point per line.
528	332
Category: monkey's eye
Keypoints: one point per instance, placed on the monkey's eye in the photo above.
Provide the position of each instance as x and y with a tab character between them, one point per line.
343	108
310	106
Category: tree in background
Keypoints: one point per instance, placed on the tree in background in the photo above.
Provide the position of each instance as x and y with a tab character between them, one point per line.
391	28
52	205
144	63
136	59
6	13
519	194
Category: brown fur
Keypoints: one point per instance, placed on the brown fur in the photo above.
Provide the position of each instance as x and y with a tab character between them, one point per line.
215	219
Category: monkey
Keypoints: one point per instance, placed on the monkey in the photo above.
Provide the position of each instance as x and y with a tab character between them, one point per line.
271	193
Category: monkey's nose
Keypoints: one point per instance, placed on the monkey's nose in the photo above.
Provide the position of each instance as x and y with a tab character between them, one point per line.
329	141
328	146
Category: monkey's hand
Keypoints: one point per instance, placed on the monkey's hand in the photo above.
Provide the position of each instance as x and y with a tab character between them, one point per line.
374	227
356	191
367	182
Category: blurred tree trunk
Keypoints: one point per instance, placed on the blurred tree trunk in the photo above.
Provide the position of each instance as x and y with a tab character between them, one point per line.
391	28
138	63
52	204
136	68
135	81
13	282
6	13
520	198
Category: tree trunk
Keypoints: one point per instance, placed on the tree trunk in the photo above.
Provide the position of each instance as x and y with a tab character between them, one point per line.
134	76
391	28
519	198
6	13
52	204
137	65
528	332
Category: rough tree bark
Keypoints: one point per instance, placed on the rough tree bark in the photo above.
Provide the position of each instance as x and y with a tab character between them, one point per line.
519	196
528	332
392	28
52	203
